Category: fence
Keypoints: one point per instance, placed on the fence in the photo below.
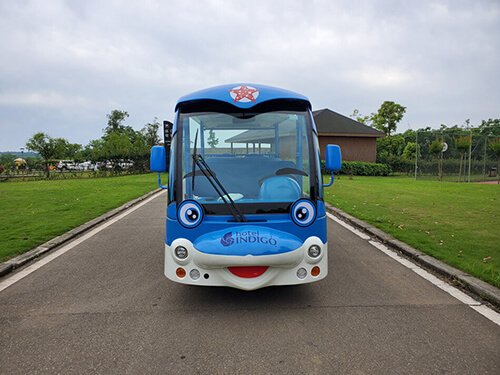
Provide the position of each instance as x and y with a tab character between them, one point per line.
34	175
465	157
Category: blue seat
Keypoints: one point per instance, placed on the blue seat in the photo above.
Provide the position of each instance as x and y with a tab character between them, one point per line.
280	188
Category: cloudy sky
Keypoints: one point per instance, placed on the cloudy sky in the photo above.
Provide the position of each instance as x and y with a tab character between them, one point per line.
65	65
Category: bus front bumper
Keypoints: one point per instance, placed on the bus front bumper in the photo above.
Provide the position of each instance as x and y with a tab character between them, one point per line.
199	268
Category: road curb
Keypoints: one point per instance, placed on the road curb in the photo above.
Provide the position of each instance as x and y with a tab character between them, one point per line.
455	276
22	259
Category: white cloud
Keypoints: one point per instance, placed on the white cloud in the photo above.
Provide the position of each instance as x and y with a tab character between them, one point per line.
44	100
74	61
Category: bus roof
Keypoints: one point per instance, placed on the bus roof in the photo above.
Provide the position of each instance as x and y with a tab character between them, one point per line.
242	95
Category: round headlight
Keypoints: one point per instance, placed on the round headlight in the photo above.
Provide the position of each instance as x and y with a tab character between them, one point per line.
181	252
194	274
314	251
301	273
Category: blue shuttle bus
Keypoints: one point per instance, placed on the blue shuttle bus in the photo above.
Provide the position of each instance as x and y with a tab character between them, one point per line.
245	193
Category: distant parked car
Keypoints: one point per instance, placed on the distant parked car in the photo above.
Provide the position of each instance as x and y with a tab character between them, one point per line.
67	165
126	165
85	166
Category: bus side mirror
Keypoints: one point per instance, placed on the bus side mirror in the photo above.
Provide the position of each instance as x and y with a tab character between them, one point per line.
333	158
158	160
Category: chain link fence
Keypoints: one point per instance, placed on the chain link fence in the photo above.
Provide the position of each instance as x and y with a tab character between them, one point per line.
459	157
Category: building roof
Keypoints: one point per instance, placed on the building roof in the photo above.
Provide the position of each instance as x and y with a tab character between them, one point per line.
332	123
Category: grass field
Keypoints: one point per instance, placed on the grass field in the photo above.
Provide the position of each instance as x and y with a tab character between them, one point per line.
456	223
33	212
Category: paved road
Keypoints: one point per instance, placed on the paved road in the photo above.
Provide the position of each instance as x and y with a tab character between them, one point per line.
105	307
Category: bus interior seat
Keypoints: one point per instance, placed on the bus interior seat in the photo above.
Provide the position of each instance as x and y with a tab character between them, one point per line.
280	188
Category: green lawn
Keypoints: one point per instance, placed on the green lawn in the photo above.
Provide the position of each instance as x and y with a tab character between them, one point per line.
32	213
456	223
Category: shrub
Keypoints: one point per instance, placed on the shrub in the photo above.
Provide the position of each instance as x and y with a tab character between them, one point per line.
361	168
397	163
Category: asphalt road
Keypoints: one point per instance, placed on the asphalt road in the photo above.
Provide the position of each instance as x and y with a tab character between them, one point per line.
104	306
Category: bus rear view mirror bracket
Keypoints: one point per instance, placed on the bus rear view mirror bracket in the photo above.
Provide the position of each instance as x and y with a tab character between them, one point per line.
333	160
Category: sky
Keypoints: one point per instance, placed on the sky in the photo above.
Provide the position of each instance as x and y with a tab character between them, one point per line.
65	65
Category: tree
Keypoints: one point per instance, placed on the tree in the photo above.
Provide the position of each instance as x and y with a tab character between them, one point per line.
46	146
7	160
490	127
410	151
463	145
52	148
212	140
92	151
150	132
392	145
65	150
34	163
495	147
359	118
139	153
122	145
436	148
116	149
73	151
387	117
115	120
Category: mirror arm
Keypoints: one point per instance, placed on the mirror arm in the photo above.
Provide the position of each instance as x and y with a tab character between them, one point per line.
331	182
159	181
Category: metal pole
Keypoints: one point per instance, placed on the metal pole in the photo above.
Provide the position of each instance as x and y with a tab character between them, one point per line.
484	164
441	177
416	154
22	160
441	161
470	151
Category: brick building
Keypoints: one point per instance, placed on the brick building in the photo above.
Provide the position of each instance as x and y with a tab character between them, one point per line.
357	141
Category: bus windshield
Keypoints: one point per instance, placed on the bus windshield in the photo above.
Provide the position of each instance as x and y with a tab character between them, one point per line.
261	160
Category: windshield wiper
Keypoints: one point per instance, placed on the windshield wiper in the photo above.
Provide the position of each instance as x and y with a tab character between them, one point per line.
194	164
200	162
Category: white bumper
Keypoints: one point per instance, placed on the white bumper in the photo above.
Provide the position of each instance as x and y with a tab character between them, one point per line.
212	269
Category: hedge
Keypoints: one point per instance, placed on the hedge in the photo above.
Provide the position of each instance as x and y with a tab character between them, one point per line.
360	168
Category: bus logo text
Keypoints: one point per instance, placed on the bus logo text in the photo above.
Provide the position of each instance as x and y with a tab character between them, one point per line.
246	237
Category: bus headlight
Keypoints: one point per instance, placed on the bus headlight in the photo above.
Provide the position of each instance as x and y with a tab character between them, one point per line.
181	252
314	251
194	274
301	273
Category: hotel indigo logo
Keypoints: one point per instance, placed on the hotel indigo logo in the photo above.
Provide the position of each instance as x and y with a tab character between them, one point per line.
251	237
